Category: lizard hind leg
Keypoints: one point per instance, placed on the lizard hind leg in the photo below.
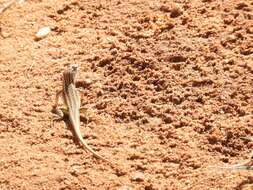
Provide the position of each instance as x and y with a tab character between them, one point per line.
59	114
85	114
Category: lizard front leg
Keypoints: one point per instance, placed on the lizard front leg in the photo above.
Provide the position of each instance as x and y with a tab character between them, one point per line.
58	94
56	110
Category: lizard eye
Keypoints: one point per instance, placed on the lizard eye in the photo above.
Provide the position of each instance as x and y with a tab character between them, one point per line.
74	67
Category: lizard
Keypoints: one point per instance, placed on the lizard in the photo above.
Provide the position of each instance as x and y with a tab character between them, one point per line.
6	6
71	99
246	165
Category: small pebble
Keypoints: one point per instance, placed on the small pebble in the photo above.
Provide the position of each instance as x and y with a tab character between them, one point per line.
42	33
138	177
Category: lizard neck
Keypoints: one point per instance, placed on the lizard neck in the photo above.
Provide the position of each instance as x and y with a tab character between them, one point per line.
68	78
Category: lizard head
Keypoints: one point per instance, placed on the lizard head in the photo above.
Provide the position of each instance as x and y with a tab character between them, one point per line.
73	68
69	74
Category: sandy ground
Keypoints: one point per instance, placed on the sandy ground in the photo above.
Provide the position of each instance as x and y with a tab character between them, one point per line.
168	86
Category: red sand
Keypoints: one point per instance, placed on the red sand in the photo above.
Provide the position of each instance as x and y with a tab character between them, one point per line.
168	84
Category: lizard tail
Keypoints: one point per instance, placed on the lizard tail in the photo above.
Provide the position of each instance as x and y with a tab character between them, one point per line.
87	147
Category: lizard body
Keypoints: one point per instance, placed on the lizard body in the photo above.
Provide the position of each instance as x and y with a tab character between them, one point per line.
72	100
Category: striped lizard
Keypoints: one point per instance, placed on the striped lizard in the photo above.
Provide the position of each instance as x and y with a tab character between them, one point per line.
246	165
71	100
